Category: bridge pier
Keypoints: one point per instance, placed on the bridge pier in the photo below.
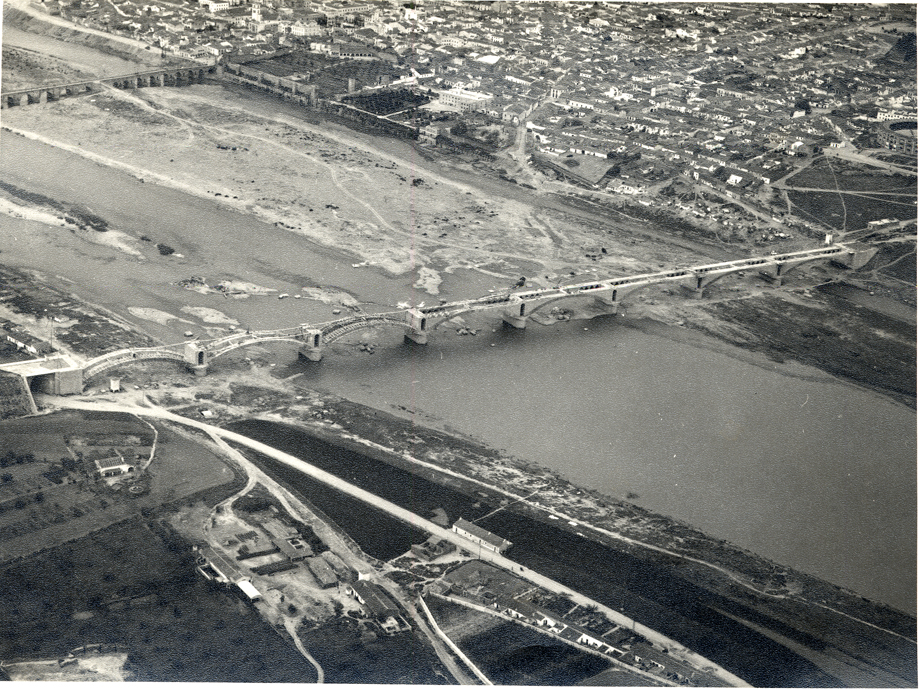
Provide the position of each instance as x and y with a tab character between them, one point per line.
418	327
775	272
196	358
516	314
312	348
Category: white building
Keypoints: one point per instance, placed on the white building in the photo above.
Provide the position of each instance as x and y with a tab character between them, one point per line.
480	536
464	100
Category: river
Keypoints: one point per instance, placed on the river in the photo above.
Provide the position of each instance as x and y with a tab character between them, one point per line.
782	460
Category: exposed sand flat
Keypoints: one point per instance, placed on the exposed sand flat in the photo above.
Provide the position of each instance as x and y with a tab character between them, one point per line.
210	315
154	315
340	192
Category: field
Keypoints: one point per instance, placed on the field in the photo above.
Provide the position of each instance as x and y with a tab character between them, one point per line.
509	653
848	212
387	102
873	194
133	585
54	494
349	655
831	174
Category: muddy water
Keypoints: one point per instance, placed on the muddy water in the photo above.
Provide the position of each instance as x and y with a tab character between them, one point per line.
805	470
784	461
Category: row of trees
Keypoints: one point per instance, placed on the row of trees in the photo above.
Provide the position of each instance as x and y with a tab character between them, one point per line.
11	458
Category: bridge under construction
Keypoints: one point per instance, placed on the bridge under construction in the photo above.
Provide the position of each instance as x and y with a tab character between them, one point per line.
515	307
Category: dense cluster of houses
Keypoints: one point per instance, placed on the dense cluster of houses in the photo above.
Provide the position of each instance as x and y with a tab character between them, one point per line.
694	89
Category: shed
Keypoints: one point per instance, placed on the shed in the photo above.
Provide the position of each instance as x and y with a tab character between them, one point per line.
374	599
249	591
278	530
294	549
113	466
323	572
477	534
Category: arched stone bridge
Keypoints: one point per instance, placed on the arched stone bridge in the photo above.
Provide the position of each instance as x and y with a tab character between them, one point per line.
515	307
175	76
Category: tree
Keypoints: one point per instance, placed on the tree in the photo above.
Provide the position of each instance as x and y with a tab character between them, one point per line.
6	477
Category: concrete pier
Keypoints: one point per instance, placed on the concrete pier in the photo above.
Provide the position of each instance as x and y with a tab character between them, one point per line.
312	348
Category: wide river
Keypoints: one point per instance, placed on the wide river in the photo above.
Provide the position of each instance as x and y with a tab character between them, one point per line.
782	460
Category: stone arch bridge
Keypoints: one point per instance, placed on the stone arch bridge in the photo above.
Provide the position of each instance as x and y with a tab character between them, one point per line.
417	323
174	76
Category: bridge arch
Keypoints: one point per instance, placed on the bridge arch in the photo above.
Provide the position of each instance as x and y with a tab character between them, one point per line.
781	269
338	329
434	321
109	361
593	294
233	346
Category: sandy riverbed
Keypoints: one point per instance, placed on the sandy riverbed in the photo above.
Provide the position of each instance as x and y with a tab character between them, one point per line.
340	193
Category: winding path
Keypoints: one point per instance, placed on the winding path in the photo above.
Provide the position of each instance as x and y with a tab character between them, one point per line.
291	627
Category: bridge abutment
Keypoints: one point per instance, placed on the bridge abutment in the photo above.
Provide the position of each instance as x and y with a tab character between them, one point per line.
860	257
416	336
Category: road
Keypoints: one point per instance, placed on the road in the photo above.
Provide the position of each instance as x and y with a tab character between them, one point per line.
335	542
700	663
291	627
866	160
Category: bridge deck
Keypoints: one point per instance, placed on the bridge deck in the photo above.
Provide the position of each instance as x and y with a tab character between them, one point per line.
103	80
332	330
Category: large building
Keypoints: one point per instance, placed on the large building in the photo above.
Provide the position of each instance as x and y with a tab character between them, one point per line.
477	534
464	100
900	136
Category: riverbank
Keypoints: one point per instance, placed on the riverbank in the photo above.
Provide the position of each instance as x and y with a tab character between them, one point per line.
466	465
786	594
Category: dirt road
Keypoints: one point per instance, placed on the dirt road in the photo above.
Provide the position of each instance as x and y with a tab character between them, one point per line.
415	520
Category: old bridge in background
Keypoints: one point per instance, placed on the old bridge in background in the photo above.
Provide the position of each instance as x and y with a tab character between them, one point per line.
515	309
172	76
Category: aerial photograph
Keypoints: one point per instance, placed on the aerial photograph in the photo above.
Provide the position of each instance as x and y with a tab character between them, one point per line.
470	342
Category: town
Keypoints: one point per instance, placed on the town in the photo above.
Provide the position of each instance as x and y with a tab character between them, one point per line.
458	342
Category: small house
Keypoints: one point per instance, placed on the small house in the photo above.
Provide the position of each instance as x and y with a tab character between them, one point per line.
113	466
